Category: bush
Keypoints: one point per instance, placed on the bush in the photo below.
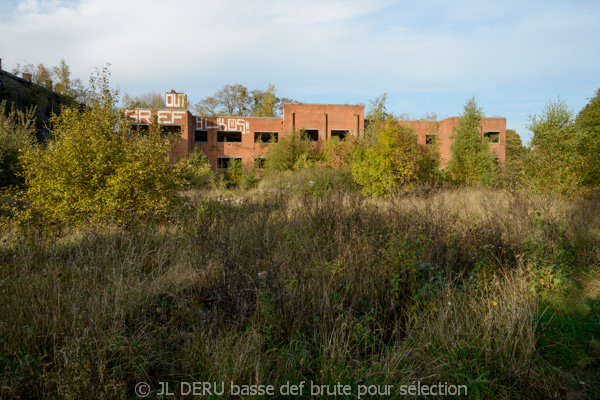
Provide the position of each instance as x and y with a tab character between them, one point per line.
337	153
195	170
291	152
315	180
17	130
387	160
97	168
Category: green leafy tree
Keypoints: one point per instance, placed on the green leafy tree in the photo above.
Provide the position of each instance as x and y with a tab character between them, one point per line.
96	168
237	100
17	132
514	146
515	160
587	124
472	159
377	109
376	115
265	102
554	164
386	162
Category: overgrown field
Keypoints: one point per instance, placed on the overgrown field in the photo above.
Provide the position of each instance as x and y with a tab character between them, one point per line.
495	290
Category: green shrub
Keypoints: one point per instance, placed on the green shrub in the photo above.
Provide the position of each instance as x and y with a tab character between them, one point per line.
17	130
338	153
195	169
315	180
291	152
386	161
549	256
97	168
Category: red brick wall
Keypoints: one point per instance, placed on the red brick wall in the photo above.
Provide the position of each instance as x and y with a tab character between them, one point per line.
247	149
324	117
177	117
445	130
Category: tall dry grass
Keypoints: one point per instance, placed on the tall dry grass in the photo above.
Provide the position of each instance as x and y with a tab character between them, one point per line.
276	286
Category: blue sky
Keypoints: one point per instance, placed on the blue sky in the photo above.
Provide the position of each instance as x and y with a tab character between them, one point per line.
428	55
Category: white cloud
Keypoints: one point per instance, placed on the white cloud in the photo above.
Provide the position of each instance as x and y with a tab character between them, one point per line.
348	49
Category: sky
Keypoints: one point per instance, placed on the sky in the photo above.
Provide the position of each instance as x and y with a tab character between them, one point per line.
429	56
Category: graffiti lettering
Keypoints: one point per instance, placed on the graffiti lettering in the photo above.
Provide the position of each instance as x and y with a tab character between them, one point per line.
224	124
163	117
175	100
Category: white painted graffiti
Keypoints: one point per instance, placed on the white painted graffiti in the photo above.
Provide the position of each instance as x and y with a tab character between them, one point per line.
162	117
224	124
175	100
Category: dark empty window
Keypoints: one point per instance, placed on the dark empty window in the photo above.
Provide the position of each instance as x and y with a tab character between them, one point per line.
340	133
430	139
166	129
493	137
310	135
201	136
228	136
141	128
266	137
224	162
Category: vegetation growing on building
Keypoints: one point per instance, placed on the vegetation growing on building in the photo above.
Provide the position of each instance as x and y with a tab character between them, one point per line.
352	261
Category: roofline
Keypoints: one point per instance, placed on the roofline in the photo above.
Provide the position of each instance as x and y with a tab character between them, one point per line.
324	104
232	116
17	77
444	119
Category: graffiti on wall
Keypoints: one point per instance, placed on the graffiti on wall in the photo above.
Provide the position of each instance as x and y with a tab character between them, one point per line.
163	117
175	100
224	124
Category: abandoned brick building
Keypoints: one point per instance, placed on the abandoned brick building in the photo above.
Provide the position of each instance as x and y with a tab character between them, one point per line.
23	93
248	138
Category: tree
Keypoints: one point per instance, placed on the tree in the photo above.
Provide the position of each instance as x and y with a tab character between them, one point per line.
388	161
57	78
587	124
264	102
472	159
149	100
72	88
237	100
375	116
208	107
17	132
96	168
377	109
554	165
514	146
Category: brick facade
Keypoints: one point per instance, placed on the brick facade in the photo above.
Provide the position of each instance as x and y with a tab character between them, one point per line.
247	138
